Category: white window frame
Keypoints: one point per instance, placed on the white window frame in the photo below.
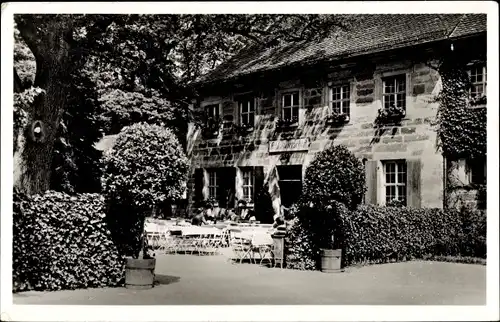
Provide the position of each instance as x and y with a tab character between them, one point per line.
395	77
396	184
344	98
247	173
250	102
483	82
213	184
298	105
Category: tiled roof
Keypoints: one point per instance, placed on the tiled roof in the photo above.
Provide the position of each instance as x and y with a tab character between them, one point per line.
373	33
469	24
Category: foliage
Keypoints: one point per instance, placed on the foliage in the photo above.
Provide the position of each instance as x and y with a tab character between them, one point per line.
241	129
300	253
148	163
335	174
395	203
461	130
474	232
62	242
315	227
123	108
146	167
337	118
457	259
76	165
211	127
263	205
285	123
389	115
383	234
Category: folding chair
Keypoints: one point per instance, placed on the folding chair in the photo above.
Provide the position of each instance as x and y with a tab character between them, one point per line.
262	245
241	248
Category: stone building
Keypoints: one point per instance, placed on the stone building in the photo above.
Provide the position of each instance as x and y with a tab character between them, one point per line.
269	111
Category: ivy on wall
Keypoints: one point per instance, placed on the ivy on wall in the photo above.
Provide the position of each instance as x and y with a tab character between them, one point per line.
462	129
461	125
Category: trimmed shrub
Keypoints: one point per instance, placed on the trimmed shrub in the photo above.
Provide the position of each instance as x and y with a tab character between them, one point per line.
474	232
335	174
384	234
146	167
373	234
300	253
62	242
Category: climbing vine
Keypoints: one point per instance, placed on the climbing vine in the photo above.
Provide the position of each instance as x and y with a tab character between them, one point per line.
462	129
461	118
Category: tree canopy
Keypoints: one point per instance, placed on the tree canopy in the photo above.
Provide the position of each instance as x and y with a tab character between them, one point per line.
99	73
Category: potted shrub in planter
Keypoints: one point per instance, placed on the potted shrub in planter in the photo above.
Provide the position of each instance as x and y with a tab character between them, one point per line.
145	167
334	183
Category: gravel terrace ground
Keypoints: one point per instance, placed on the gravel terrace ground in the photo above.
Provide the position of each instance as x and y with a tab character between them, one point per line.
210	280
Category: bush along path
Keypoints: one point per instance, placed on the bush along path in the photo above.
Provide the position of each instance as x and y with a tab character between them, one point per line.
62	242
373	234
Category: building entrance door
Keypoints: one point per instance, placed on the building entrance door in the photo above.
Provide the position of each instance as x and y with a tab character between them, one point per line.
290	183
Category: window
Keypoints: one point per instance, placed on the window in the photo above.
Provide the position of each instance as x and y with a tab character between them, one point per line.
394	91
212	111
248	184
395	181
341	99
247	112
290	103
478	81
476	170
290	183
213	184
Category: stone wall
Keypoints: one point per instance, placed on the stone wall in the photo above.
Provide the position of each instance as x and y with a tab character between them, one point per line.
414	139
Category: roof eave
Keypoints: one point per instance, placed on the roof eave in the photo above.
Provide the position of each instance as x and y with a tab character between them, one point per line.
304	62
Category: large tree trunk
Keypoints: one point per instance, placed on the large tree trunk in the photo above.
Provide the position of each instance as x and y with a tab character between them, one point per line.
32	160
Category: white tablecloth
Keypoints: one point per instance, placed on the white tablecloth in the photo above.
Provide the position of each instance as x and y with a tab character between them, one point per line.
257	237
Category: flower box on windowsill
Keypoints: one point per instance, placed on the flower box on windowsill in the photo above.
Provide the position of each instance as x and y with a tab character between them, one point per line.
478	101
391	115
287	123
212	128
337	119
243	129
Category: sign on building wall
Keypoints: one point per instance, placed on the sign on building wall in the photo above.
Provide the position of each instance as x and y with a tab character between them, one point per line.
289	145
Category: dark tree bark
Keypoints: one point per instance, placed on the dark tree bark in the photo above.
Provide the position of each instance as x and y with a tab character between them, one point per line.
51	48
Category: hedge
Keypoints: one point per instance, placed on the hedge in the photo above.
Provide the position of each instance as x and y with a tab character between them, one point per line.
62	242
374	234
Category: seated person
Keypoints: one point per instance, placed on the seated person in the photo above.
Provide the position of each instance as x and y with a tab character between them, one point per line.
278	221
251	215
241	210
198	218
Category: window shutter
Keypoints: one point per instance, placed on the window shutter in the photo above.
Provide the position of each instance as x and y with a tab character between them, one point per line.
258	173
371	182
198	185
413	183
227	185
